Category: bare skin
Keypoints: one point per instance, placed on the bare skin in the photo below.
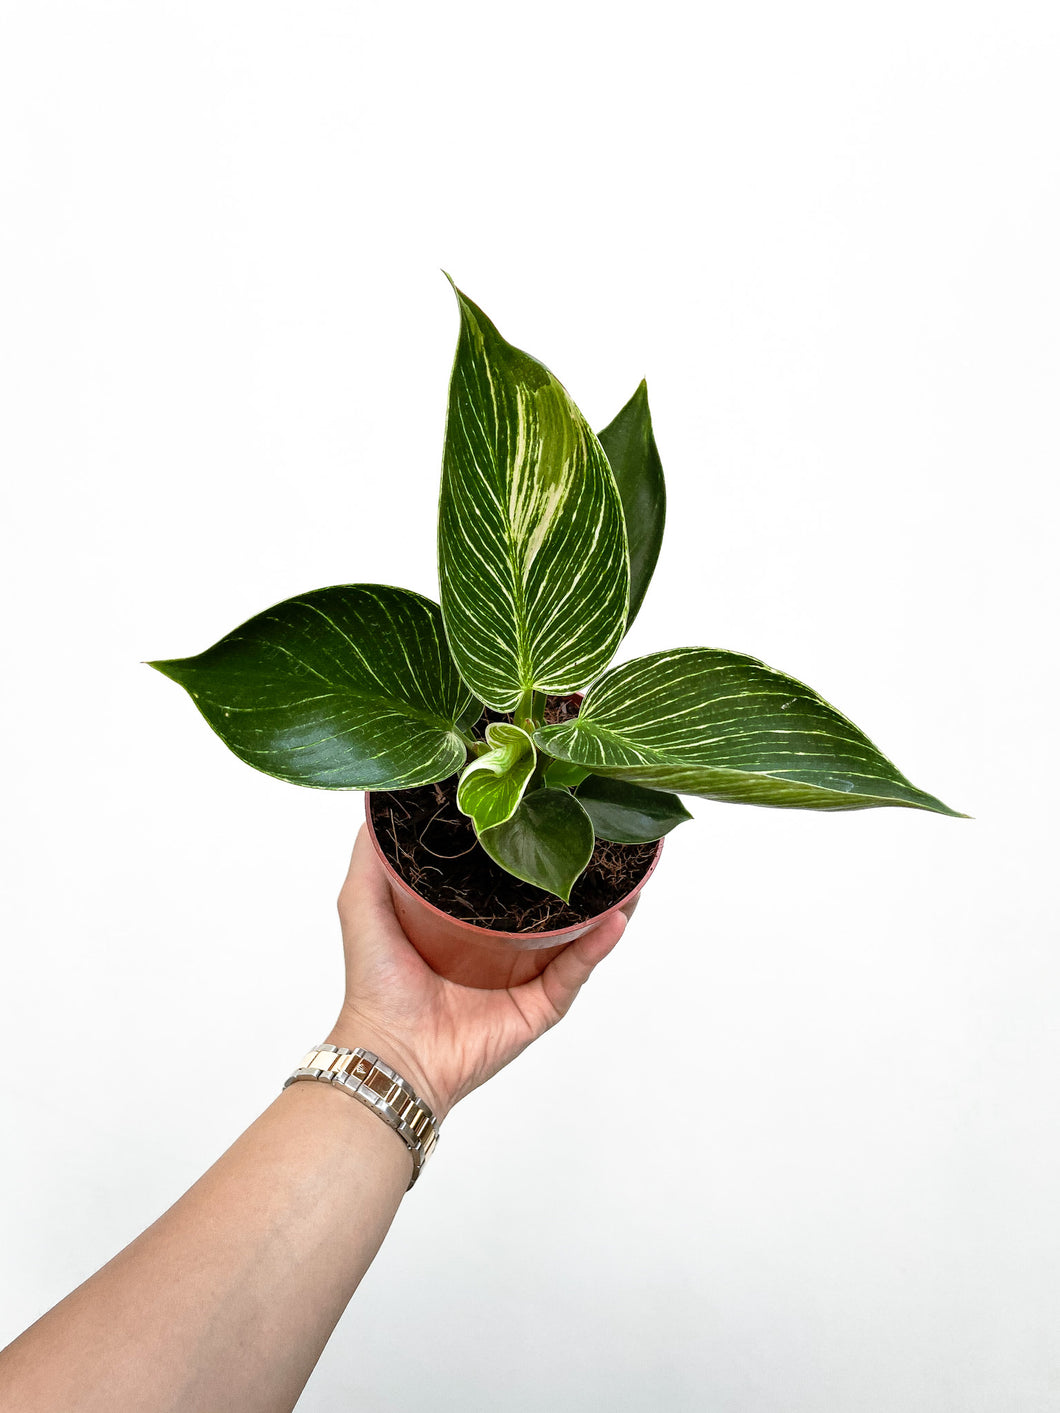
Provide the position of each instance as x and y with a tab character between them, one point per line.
227	1300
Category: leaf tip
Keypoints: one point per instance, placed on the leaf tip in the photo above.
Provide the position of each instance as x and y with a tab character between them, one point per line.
934	805
165	666
557	889
461	298
471	316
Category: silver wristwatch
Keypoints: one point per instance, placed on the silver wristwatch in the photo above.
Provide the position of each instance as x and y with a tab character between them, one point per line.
365	1077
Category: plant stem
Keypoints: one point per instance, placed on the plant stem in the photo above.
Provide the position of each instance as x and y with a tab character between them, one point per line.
538	777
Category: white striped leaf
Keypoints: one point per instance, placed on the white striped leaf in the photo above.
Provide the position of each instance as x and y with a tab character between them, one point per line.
547	842
532	557
723	725
494	782
346	688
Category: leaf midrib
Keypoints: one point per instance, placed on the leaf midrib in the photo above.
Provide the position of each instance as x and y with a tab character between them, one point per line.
661	758
392	704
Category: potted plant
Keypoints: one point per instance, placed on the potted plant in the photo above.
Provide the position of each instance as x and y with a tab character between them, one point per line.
470	711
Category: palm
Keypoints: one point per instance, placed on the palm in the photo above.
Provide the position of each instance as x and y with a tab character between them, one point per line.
457	1035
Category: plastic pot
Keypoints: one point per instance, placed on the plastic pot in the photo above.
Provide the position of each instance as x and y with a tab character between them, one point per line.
479	956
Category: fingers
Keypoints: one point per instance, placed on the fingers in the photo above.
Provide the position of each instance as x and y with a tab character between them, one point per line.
566	974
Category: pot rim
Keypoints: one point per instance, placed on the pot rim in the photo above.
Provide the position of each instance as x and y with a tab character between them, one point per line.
558	933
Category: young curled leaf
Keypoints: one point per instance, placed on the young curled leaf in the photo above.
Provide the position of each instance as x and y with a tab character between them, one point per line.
547	842
493	784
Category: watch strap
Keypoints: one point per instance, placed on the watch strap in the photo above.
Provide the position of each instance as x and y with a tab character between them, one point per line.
364	1076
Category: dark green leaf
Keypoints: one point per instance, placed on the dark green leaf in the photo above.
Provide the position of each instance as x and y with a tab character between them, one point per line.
493	784
470	715
629	814
547	842
532	557
634	457
346	688
725	726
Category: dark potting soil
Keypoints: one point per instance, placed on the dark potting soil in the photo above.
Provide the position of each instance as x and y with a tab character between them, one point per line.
433	846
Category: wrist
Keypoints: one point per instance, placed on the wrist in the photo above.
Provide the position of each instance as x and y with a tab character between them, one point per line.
353	1031
370	1081
378	1139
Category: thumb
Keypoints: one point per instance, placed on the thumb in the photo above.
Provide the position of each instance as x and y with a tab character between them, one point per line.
365	885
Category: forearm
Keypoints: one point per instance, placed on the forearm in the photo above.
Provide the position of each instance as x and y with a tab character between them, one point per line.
227	1301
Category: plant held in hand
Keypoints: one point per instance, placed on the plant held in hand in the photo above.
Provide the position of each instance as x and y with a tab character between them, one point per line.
547	539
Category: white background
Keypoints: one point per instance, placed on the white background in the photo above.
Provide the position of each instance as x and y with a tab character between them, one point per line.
796	1147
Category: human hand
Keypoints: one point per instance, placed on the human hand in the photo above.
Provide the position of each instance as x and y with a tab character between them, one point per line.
444	1039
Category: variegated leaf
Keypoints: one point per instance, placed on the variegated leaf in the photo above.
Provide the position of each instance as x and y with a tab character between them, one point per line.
493	784
634	457
532	556
723	725
346	688
547	842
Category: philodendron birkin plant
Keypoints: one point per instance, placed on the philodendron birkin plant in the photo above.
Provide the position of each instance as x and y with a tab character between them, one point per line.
547	538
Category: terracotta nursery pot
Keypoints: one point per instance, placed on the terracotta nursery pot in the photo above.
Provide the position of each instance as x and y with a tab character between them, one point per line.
479	956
